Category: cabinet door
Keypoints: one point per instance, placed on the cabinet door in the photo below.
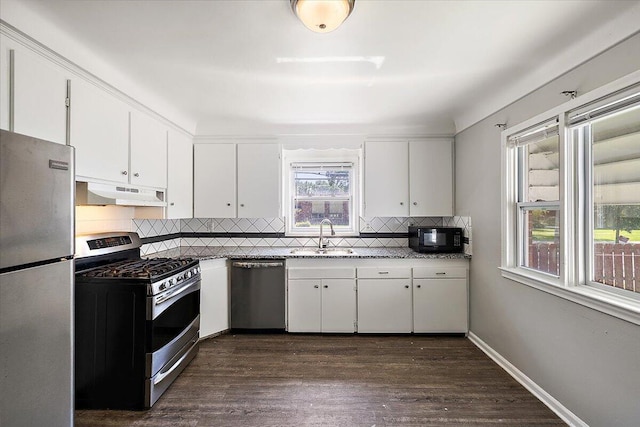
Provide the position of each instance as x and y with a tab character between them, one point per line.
179	176
148	151
431	177
304	305
338	305
440	305
214	182
384	305
386	185
258	180
214	297
5	82
40	92
100	133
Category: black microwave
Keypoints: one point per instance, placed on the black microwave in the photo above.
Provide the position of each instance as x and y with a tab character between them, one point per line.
436	239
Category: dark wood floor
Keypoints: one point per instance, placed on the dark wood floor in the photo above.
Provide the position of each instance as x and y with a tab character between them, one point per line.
326	380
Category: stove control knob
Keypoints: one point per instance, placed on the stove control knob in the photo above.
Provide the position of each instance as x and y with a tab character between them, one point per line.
188	275
172	282
162	286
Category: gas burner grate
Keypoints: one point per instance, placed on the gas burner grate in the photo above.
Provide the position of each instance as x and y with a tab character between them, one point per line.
142	268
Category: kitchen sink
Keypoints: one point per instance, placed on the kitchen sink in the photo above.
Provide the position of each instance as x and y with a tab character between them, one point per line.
323	251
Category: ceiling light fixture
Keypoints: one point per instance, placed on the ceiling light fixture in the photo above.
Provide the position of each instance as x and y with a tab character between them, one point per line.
322	16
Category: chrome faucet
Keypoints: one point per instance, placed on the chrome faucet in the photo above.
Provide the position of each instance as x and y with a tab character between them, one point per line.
321	241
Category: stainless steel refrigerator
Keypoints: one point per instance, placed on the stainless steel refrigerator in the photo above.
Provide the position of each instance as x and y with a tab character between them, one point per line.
36	281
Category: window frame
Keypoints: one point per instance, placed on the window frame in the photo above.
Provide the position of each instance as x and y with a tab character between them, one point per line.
321	158
572	283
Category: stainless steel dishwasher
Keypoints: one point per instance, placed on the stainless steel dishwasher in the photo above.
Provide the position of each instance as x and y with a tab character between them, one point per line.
258	295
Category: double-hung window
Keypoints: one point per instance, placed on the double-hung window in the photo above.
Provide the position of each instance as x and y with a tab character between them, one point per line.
607	136
571	200
322	187
538	197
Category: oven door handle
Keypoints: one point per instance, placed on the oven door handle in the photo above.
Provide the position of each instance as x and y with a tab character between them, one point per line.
162	375
172	294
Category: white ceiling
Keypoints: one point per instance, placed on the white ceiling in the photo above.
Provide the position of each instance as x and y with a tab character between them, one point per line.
250	67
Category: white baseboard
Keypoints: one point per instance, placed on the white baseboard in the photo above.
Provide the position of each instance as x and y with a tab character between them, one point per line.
565	414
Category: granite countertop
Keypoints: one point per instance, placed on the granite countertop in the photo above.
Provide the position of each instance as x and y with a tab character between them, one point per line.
263	252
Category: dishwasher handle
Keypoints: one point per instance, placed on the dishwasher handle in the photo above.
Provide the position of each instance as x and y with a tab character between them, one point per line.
257	264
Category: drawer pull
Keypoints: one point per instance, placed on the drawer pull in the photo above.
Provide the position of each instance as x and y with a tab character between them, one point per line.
316	286
406	286
440	274
383	272
419	286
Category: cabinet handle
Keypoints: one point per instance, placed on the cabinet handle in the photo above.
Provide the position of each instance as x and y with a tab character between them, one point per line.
383	272
418	286
228	204
406	286
415	203
440	274
326	286
136	174
401	203
242	205
171	204
316	286
124	172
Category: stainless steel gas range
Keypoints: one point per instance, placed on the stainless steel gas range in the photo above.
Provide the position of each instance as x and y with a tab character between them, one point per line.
137	321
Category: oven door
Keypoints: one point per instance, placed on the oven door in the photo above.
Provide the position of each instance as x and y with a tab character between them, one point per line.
173	322
158	384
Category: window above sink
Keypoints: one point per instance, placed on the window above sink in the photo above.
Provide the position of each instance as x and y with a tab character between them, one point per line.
321	184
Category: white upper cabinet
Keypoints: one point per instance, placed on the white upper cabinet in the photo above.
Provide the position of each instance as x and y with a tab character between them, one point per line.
258	180
431	177
214	181
236	180
5	84
39	98
148	151
100	133
386	187
408	178
179	176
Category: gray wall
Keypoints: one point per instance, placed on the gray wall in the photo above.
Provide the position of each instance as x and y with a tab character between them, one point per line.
587	360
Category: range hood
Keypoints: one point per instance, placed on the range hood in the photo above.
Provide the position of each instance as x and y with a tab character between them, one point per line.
93	193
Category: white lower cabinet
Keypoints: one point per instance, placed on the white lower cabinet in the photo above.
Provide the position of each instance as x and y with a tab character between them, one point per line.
304	305
440	300
321	300
421	296
338	305
384	304
378	295
214	297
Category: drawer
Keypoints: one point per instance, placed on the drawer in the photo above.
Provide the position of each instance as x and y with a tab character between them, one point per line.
384	273
439	273
322	273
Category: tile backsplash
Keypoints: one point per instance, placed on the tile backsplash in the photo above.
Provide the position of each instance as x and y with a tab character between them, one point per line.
368	226
395	224
463	222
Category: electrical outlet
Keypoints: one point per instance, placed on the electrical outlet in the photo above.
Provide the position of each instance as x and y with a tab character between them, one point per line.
367	227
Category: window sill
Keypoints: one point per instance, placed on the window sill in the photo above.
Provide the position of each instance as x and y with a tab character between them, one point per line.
627	309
